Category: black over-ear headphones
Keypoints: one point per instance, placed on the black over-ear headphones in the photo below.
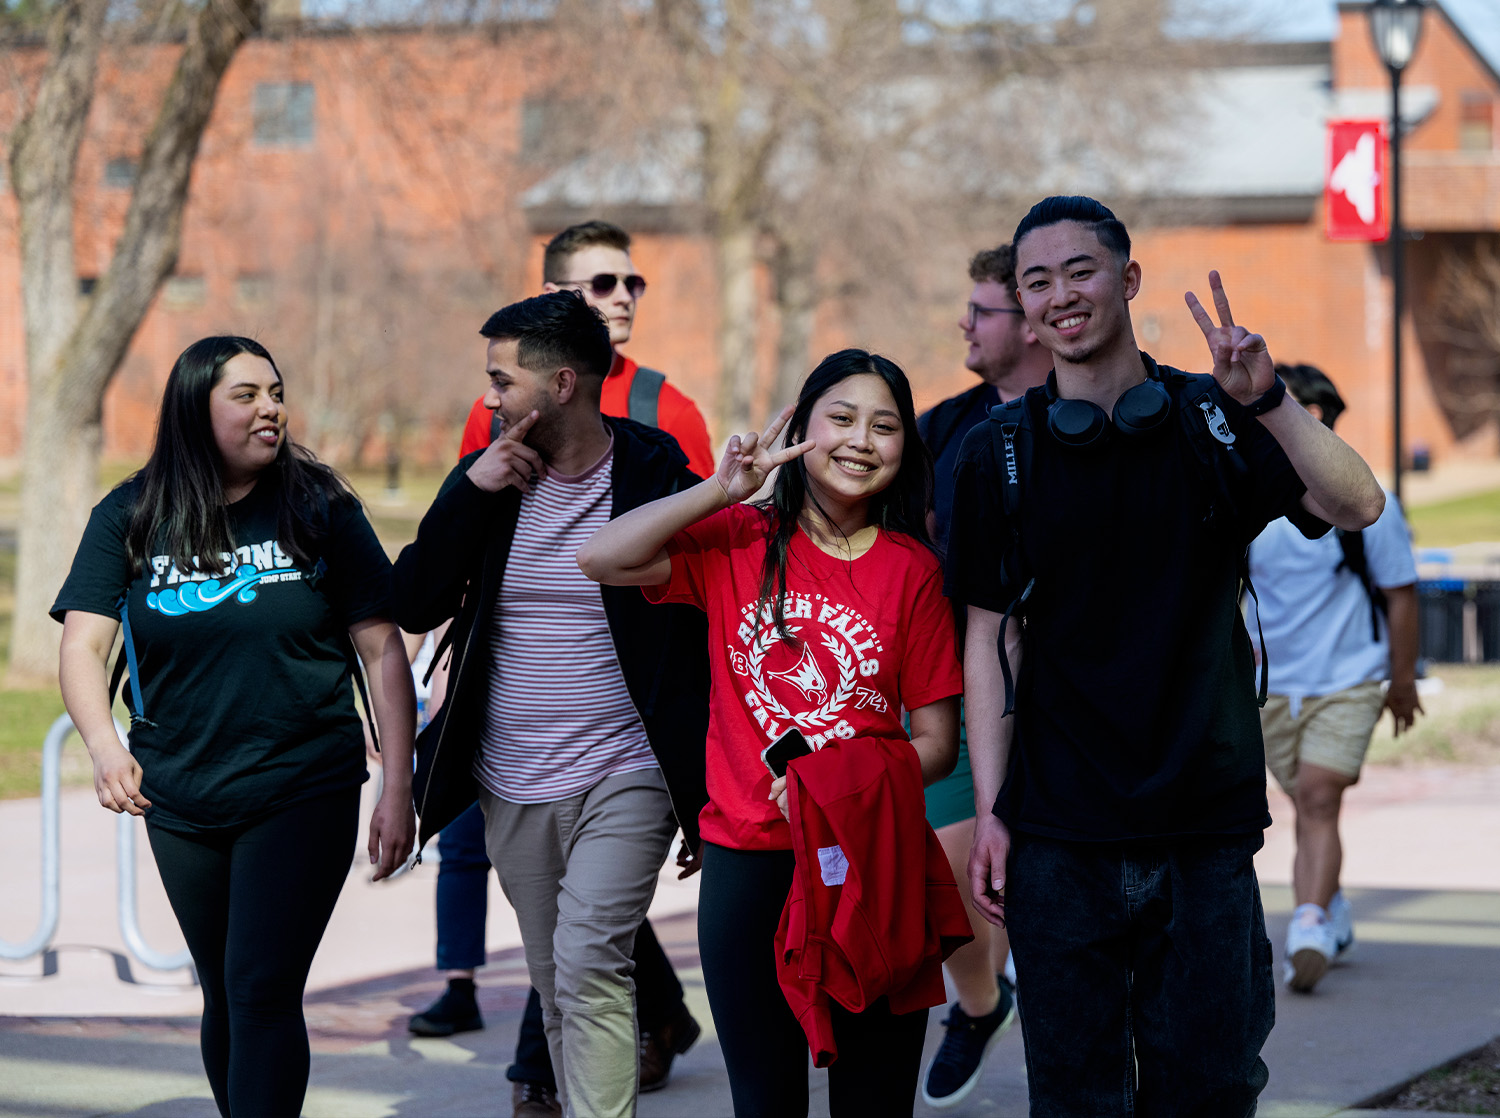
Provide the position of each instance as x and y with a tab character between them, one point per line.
1140	410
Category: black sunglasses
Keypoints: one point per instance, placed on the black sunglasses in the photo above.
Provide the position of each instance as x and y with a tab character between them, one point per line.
604	283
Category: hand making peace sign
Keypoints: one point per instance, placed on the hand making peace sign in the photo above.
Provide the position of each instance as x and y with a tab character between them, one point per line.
1242	364
749	459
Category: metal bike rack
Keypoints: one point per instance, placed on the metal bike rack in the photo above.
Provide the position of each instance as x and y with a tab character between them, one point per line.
51	846
130	928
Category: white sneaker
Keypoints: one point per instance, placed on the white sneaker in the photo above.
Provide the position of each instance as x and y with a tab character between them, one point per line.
1310	947
1341	918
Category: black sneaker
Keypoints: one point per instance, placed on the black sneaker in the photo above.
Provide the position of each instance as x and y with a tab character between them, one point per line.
456	1011
955	1068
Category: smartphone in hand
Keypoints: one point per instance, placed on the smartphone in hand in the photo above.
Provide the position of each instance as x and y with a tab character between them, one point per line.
788	746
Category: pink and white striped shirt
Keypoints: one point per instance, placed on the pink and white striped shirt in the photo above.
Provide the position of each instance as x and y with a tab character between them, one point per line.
559	718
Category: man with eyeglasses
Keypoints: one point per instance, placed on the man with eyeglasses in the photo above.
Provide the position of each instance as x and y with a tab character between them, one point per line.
1008	359
593	257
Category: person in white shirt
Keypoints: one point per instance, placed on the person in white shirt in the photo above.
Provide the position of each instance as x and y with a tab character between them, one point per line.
1339	615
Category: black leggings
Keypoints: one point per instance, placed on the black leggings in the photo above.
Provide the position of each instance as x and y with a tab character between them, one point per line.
253	902
765	1049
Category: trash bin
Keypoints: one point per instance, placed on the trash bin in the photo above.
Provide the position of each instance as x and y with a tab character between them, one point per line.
1487	600
1440	614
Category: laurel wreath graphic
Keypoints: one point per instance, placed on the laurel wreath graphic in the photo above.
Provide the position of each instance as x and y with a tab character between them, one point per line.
810	719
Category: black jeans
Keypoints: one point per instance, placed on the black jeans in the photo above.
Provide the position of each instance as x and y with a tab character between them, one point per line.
253	901
765	1049
1145	976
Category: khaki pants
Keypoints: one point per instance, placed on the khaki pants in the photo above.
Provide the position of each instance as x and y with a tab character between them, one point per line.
1330	731
580	874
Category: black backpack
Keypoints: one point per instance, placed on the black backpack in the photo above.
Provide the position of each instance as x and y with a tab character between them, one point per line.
1196	409
645	396
1353	546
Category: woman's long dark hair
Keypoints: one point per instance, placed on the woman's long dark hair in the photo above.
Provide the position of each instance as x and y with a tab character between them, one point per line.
181	508
899	507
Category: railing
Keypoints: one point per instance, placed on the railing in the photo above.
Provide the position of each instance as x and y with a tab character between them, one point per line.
125	831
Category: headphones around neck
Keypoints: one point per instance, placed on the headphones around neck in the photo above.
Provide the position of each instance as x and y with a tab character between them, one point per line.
1140	411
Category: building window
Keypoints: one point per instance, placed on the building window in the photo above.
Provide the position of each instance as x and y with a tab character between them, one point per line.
181	293
546	127
283	114
253	289
120	173
1476	122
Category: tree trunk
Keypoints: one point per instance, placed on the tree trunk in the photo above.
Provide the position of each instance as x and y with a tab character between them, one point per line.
59	462
736	261
71	358
794	268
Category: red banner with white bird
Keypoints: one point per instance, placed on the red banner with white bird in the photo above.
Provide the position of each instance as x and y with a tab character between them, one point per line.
1354	181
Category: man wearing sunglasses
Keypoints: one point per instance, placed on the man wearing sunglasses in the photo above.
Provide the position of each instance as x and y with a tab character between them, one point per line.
594	259
1008	359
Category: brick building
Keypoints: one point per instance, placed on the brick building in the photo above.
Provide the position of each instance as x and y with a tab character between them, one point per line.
363	201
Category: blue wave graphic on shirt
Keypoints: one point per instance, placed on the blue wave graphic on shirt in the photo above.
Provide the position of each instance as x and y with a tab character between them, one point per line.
199	597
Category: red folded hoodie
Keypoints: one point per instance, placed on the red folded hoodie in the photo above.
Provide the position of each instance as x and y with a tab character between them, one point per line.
873	908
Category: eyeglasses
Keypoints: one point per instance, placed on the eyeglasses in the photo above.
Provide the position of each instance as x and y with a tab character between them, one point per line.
975	310
604	283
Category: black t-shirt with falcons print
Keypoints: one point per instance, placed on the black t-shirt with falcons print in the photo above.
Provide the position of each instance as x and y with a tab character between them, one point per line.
243	673
1135	708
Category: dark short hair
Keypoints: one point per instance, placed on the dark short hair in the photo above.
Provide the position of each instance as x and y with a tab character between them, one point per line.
1086	211
576	238
1309	384
554	330
995	265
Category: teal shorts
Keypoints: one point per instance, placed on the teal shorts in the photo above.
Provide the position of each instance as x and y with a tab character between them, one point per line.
951	800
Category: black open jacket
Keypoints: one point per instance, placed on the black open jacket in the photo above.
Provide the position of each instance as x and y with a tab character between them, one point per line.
454	569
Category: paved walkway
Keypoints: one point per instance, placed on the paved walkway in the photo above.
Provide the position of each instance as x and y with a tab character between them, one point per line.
1423	987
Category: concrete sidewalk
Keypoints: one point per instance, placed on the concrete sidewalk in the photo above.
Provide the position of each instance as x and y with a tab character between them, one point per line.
1423	987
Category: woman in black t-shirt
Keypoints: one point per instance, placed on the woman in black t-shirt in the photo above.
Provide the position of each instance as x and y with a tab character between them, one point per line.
246	576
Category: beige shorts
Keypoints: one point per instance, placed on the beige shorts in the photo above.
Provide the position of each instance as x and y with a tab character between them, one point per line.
1331	731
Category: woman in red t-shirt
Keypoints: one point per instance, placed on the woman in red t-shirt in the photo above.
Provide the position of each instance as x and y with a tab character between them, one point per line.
826	613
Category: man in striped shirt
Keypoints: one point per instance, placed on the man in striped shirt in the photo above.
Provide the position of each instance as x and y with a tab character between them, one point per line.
585	705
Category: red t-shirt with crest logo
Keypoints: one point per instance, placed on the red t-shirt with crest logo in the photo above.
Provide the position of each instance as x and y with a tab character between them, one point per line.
875	637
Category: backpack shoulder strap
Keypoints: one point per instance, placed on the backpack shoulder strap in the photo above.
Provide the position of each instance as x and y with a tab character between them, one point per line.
1352	544
645	394
1010	434
127	658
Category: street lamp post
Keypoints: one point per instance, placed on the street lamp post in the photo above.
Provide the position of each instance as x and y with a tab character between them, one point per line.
1396	26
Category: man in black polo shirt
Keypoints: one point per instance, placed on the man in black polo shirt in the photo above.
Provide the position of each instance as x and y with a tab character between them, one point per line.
1119	850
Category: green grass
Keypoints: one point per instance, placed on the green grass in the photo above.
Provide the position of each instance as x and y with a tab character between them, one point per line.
25	717
1461	725
1471	519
